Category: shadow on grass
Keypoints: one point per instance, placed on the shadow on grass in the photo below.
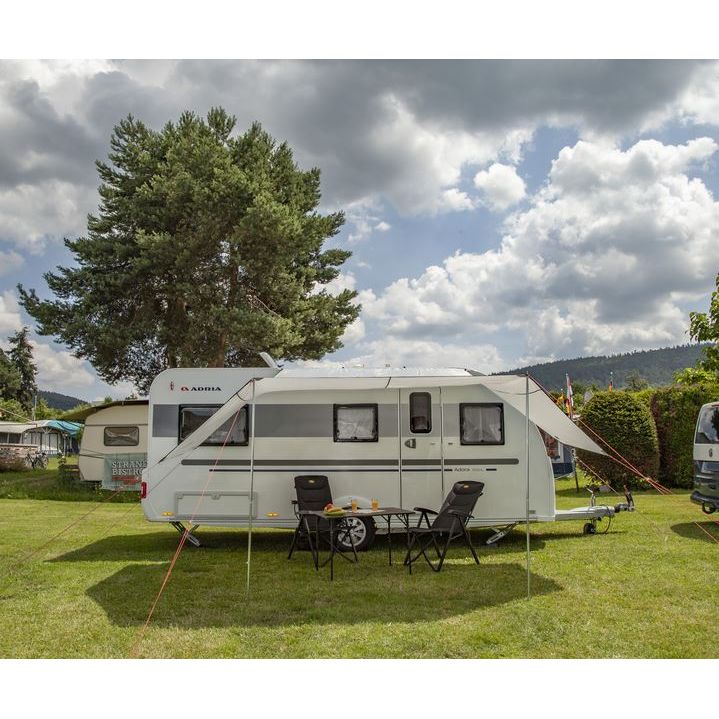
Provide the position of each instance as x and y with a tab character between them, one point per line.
160	546
689	530
207	587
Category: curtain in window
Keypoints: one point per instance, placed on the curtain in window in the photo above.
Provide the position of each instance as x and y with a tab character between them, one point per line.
482	424
355	423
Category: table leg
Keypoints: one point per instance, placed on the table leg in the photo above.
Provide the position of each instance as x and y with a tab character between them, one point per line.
332	549
406	526
389	539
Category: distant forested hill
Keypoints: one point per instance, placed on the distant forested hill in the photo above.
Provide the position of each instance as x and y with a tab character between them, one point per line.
655	366
60	401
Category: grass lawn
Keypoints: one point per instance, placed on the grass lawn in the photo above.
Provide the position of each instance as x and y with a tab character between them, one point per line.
648	588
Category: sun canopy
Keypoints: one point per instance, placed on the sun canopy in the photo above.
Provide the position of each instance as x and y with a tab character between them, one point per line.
511	389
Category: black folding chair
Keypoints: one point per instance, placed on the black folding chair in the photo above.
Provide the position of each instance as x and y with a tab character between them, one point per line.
313	495
449	523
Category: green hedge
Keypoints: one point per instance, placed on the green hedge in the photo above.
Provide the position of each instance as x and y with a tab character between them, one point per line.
675	410
626	423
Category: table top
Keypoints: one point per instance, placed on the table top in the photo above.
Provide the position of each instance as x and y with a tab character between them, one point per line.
381	512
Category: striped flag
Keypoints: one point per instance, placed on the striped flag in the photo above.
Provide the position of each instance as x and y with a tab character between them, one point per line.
570	398
611	381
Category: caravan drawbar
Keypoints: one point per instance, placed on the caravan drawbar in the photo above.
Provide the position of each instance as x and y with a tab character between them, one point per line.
224	445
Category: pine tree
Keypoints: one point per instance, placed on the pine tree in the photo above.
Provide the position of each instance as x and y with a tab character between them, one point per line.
9	377
207	249
21	357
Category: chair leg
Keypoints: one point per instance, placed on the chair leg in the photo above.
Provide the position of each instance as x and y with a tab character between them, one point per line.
468	540
314	549
409	559
295	537
444	552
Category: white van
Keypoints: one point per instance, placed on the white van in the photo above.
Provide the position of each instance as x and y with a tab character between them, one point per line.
706	459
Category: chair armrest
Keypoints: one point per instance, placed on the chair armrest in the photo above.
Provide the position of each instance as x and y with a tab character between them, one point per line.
460	514
424	515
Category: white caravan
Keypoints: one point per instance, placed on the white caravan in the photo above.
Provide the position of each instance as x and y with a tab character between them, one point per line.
226	444
706	459
113	450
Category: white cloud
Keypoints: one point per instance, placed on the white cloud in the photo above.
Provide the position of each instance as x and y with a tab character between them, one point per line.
354	332
501	185
598	263
343	281
9	314
58	370
396	352
382	226
454	200
10	261
30	215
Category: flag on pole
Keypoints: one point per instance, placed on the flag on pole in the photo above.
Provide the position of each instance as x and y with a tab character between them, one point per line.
561	401
570	398
611	381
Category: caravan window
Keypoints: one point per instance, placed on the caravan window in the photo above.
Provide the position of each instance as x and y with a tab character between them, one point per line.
420	412
121	436
481	423
355	423
232	433
708	426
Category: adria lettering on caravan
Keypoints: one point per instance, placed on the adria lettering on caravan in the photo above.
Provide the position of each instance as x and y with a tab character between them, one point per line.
185	388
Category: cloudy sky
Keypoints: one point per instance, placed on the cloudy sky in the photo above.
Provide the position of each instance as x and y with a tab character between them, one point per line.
499	212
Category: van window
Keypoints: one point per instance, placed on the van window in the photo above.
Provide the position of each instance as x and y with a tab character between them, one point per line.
481	423
420	412
708	426
355	423
121	436
233	433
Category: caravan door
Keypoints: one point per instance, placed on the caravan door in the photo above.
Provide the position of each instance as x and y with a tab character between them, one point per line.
421	448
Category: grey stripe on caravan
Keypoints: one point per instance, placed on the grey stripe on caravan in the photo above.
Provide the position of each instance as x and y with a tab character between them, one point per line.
282	420
292	462
341	462
500	460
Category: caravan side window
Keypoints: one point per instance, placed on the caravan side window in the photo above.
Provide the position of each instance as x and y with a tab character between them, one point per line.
121	436
192	417
355	423
420	412
481	423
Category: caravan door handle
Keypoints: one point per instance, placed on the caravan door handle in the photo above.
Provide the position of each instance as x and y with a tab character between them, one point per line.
411	443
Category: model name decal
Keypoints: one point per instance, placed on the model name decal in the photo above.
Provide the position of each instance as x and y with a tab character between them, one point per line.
184	388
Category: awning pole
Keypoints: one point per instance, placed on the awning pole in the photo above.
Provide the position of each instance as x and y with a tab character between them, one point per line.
526	450
252	482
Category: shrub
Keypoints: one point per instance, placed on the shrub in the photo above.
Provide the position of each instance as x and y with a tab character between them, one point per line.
675	411
12	463
627	424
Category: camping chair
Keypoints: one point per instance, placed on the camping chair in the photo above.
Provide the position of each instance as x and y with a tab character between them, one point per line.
313	495
449	523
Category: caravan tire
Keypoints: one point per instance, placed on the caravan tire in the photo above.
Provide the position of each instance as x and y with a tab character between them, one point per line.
363	533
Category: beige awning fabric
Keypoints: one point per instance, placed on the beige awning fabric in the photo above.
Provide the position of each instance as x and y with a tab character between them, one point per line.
509	388
542	410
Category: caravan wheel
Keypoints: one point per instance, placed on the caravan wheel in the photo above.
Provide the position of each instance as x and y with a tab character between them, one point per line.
363	531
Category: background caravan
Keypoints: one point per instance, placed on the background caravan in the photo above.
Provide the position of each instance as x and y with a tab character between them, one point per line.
113	449
403	436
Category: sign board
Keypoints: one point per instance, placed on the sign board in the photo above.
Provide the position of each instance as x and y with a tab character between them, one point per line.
124	471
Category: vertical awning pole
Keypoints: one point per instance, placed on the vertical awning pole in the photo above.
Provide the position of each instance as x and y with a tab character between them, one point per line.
526	459
251	428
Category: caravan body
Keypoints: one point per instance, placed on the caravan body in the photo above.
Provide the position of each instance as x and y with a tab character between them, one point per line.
113	449
402	436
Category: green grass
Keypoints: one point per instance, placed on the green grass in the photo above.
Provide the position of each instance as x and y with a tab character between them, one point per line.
648	588
46	484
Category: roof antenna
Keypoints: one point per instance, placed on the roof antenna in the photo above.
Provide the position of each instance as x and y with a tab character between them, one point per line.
268	360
